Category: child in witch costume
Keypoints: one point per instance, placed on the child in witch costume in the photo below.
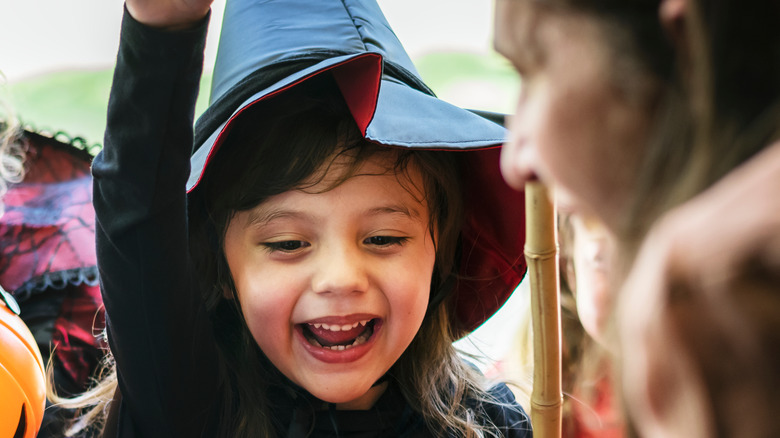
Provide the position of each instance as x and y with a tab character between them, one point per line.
306	271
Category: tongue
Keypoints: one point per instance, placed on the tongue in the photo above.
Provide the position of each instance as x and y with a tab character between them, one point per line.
329	338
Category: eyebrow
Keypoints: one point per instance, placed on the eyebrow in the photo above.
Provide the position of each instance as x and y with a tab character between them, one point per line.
263	216
394	209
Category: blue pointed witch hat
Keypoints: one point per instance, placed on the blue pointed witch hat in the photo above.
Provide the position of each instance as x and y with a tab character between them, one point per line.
267	47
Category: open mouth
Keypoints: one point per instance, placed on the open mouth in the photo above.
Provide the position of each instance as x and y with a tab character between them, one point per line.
337	337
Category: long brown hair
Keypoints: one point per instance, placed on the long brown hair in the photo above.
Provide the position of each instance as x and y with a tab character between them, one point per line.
731	80
720	107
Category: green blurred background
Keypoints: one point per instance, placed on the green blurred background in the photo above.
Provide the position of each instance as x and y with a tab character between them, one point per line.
75	101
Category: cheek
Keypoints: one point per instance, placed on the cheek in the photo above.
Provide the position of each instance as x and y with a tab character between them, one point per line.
550	129
266	304
409	288
565	128
554	138
259	304
585	142
591	306
268	315
408	308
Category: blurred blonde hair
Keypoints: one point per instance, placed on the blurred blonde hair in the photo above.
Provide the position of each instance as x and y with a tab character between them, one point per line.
92	406
12	151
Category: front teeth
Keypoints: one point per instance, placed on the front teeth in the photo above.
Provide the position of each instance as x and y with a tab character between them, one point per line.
358	341
338	328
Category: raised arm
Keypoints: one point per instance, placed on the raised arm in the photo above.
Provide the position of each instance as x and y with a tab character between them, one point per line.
153	309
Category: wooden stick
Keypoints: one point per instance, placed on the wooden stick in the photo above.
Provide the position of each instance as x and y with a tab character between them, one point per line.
541	254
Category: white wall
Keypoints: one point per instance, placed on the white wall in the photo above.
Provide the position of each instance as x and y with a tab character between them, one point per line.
38	36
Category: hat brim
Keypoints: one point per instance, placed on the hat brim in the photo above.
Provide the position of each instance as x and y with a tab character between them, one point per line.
389	112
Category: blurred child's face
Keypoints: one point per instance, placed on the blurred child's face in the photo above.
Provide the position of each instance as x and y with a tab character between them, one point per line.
590	256
334	285
573	128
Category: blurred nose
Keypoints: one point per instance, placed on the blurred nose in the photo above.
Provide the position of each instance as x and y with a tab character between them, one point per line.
515	156
341	269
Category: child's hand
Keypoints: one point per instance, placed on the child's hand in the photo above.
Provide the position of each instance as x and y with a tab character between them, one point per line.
168	14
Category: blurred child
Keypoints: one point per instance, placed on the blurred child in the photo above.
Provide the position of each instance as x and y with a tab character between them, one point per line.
591	408
47	258
631	109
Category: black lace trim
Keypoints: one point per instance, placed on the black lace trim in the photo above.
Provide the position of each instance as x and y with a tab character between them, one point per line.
77	142
57	280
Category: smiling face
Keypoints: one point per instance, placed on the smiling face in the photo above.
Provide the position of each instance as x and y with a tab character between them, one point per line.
334	282
573	127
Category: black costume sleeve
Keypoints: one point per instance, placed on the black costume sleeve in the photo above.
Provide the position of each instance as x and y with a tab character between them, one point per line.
158	333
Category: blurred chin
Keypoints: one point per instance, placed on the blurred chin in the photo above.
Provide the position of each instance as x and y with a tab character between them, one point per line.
565	201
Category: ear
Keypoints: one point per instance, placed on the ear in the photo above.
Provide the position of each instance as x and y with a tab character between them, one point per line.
672	14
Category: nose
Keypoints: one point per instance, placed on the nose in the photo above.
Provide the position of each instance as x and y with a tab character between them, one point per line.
341	270
515	157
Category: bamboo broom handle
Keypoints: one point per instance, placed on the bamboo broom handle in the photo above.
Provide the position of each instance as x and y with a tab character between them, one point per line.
541	254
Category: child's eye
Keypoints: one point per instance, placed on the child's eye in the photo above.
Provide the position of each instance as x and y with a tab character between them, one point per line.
385	240
286	245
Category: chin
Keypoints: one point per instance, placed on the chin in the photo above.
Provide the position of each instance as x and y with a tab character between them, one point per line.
566	202
348	396
337	389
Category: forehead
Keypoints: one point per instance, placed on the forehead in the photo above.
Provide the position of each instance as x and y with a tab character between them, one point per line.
372	189
516	27
348	164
